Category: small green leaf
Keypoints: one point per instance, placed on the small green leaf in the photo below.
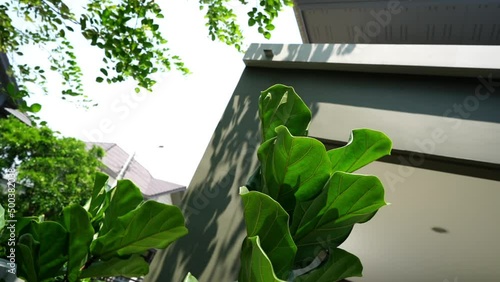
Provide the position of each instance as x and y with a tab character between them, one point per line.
99	79
83	23
270	27
280	105
64	9
35	108
364	147
104	71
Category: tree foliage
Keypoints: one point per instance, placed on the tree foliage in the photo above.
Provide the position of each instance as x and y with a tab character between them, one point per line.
53	171
126	31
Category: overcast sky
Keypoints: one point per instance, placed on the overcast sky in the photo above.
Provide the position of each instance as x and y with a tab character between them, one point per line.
181	113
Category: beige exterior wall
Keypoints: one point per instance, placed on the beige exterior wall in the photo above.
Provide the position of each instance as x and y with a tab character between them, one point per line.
408	108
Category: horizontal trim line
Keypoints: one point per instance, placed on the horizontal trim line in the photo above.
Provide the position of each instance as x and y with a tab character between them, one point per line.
458	166
443	60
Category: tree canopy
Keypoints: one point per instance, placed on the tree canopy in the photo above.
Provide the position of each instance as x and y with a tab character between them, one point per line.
126	31
53	171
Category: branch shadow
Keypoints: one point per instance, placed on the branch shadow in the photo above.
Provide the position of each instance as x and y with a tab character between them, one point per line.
212	206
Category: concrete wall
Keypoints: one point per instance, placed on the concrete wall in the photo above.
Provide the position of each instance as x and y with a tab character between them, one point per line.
406	107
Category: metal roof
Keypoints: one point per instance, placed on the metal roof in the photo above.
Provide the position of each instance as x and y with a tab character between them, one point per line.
114	160
468	22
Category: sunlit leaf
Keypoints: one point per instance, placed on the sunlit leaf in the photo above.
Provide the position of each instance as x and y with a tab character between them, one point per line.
293	167
152	225
264	217
364	147
328	219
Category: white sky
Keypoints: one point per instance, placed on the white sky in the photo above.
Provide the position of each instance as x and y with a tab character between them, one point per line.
181	113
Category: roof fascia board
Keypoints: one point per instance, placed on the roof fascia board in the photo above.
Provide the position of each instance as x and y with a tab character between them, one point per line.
439	60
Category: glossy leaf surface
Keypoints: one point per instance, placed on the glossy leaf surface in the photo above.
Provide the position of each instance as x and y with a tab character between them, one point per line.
293	167
280	105
364	147
265	218
255	265
152	225
327	220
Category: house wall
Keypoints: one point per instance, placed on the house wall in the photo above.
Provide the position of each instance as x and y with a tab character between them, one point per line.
407	108
163	198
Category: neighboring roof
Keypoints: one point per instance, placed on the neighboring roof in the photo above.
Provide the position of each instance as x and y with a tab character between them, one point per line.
114	160
19	115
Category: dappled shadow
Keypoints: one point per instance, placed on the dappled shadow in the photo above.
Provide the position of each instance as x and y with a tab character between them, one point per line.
299	52
212	205
357	85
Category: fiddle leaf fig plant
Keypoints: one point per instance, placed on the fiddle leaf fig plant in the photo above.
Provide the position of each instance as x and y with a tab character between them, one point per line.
303	201
107	238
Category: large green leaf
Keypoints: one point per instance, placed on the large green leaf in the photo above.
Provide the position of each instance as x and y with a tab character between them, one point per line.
77	222
280	105
293	167
134	266
255	265
340	265
98	194
125	198
52	251
27	260
152	225
364	147
53	254
327	220
264	217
